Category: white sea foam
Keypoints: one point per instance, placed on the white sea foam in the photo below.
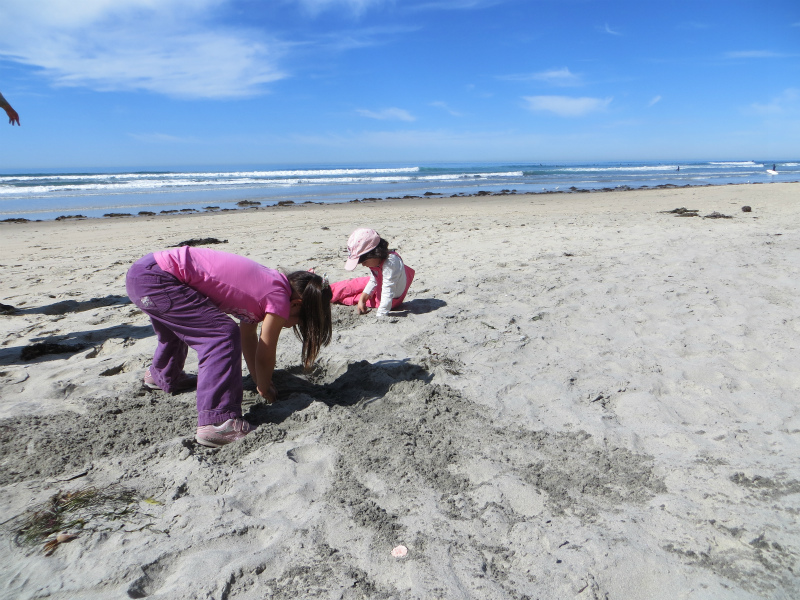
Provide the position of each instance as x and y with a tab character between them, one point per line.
208	175
613	169
455	176
127	183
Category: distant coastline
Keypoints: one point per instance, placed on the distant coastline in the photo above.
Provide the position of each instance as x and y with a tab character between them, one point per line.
250	205
50	196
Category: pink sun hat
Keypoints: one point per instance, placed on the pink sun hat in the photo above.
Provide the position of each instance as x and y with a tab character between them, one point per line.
361	241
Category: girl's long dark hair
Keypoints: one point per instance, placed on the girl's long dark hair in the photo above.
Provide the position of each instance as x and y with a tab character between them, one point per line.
314	328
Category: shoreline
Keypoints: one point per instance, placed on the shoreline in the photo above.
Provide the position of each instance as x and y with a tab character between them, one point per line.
582	394
253	206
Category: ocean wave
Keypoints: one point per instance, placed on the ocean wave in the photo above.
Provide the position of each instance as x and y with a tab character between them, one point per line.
145	185
205	175
617	169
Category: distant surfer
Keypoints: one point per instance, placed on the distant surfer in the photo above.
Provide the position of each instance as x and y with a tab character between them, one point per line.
13	117
773	167
678	169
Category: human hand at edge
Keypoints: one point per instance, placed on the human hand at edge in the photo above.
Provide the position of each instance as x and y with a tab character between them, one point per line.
13	117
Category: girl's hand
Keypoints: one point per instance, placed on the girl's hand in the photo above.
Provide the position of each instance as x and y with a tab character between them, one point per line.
362	304
270	395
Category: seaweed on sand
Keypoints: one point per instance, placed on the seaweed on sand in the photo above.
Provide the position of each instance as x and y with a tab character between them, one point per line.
69	511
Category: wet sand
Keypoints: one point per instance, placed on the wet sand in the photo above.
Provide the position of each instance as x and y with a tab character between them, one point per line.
584	396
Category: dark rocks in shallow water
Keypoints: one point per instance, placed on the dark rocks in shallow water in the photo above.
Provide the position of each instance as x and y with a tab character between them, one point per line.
65	217
746	209
146	213
431	194
248	203
200	242
118	215
15	221
289	202
40	349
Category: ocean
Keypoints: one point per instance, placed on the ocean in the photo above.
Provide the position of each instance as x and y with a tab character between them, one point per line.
98	193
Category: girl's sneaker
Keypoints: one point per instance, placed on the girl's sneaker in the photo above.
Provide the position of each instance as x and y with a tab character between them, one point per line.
218	435
185	382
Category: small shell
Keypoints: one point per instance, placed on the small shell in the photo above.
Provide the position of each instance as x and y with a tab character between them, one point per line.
399	551
65	537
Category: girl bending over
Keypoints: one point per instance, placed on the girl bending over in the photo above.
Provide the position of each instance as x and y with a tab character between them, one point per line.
188	294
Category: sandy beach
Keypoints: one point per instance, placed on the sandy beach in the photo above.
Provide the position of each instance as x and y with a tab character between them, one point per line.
584	396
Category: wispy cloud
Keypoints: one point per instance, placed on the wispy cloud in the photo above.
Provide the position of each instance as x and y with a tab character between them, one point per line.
161	138
655	100
446	108
566	106
608	30
387	114
455	4
559	77
755	54
788	101
163	47
364	38
356	7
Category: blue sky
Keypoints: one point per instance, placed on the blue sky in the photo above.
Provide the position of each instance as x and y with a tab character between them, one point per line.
156	83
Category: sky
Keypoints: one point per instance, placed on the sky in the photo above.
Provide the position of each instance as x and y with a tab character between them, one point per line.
226	83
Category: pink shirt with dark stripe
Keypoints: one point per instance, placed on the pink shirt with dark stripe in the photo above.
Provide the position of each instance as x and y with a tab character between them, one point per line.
237	285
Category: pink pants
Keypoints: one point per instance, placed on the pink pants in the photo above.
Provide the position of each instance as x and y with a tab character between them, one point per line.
349	291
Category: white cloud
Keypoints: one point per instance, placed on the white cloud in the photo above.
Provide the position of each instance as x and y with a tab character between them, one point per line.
655	100
357	7
754	54
446	108
387	114
608	29
456	4
160	138
559	77
162	46
566	106
788	101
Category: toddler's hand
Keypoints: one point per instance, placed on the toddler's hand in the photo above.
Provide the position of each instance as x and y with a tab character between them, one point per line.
362	309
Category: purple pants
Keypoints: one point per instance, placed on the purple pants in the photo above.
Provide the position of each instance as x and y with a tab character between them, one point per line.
183	317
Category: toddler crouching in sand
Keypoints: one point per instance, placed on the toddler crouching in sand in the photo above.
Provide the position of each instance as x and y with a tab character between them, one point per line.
389	279
187	292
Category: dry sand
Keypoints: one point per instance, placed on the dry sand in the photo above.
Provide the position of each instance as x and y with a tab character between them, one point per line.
584	397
